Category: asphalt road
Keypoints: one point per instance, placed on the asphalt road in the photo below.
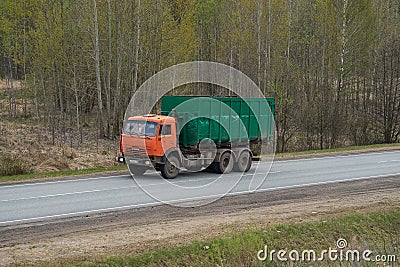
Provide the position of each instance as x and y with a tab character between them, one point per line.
24	203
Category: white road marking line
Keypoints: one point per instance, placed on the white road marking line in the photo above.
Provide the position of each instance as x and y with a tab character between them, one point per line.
86	179
79	213
66	194
192	199
120	188
64	181
272	172
343	156
386	161
103	190
261	173
116	188
324	182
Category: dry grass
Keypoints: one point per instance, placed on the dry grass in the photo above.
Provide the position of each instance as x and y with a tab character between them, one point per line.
10	166
33	146
26	144
4	85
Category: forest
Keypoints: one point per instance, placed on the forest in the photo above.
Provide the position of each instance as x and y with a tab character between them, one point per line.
333	66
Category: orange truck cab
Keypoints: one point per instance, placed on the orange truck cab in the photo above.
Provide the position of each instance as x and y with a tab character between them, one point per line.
146	140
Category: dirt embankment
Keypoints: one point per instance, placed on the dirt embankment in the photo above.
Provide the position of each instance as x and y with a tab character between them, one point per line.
42	149
130	231
35	147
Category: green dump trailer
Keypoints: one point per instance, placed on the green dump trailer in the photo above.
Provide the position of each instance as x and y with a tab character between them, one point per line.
225	120
229	130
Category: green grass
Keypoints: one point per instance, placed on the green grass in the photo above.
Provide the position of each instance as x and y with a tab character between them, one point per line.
10	166
32	176
378	232
339	149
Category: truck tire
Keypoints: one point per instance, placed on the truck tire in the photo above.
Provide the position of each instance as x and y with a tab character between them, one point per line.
244	162
171	167
225	164
137	170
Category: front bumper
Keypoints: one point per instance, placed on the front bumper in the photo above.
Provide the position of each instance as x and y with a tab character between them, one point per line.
139	162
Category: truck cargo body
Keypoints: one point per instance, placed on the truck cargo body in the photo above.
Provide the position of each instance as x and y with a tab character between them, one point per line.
206	118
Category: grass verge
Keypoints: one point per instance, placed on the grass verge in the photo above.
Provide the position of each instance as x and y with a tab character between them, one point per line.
377	232
10	166
32	176
339	149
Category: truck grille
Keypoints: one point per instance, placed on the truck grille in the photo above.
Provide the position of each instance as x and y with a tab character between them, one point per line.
137	151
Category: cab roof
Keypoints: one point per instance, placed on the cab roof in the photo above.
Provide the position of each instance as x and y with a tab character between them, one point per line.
153	118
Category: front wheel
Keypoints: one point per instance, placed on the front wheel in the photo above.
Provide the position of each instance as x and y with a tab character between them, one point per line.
171	167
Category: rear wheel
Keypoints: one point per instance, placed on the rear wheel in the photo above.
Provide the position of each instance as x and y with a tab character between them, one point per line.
137	170
244	162
171	167
225	165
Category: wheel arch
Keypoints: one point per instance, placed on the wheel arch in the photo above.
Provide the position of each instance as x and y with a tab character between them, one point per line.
173	152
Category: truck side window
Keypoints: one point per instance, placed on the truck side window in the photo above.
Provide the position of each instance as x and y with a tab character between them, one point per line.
165	129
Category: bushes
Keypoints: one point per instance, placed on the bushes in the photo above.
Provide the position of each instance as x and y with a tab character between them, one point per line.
9	165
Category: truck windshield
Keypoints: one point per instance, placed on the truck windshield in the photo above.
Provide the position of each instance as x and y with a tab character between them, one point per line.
143	128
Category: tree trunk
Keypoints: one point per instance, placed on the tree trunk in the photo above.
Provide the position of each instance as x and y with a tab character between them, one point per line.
97	67
135	78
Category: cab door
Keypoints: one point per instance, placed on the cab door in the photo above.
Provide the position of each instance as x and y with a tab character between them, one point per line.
167	137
